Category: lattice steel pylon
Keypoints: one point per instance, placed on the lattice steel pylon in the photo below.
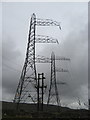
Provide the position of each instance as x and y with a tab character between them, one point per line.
26	89
53	91
53	81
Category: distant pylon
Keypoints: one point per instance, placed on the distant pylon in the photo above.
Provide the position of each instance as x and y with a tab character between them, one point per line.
26	90
53	91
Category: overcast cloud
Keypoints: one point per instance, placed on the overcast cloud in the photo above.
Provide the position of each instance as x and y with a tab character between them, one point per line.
73	39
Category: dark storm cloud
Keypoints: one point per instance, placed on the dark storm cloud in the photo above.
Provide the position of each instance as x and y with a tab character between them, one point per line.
11	65
73	45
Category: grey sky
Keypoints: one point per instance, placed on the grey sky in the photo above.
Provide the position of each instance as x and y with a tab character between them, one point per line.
0	51
73	39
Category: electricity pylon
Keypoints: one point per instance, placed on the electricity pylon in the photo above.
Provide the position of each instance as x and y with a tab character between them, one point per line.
53	91
53	80
26	90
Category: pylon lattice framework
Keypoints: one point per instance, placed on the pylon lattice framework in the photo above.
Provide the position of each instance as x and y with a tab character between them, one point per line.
53	90
53	80
53	96
28	80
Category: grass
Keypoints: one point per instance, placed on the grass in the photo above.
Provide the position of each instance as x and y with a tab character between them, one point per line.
29	111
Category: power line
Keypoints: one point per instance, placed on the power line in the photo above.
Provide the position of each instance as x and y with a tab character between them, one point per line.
10	67
30	63
10	61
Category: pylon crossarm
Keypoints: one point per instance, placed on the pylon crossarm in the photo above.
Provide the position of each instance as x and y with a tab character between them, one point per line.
45	39
62	58
61	70
47	22
42	59
61	83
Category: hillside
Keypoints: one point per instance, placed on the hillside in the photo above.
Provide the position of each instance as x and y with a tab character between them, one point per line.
30	111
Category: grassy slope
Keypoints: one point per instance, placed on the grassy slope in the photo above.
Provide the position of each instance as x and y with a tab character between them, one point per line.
30	111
